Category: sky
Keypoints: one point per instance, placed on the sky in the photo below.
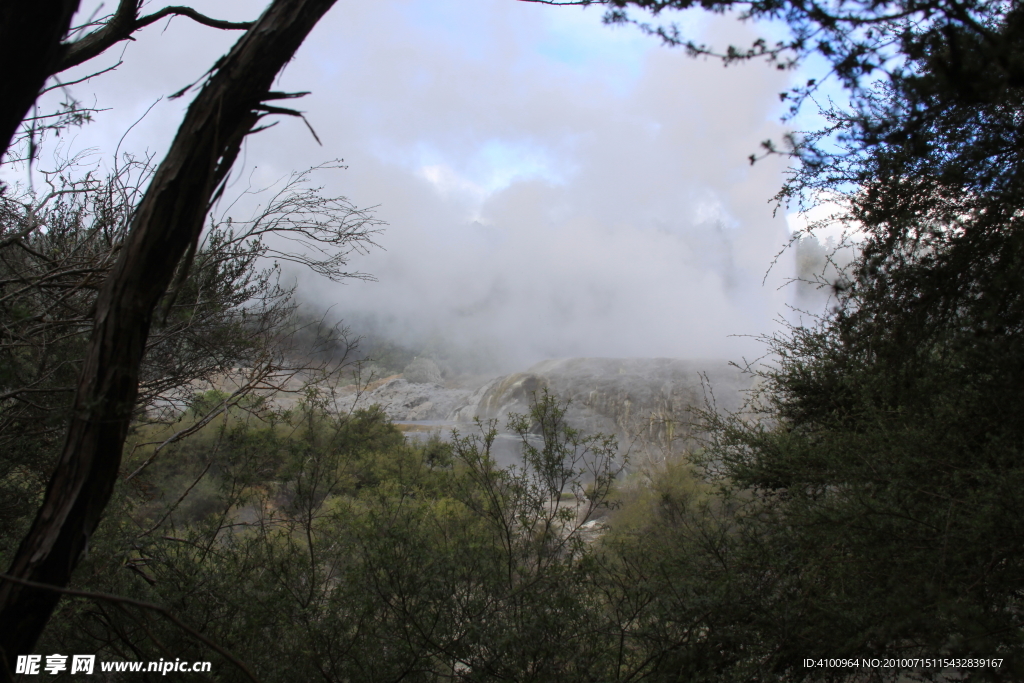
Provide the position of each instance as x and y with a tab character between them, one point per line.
552	186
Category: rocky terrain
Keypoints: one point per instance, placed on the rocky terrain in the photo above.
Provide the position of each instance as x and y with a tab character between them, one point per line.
646	403
614	395
406	401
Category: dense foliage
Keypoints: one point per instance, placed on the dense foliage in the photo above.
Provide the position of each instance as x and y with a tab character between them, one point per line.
320	546
884	475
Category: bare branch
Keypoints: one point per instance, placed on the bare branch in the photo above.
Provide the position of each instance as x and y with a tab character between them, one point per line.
197	17
118	27
124	22
83	79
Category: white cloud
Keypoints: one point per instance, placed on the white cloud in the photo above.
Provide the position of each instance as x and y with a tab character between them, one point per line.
553	186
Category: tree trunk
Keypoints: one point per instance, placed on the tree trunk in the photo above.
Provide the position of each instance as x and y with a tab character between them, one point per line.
171	215
31	32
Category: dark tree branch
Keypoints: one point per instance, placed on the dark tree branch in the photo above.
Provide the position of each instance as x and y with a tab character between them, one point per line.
195	16
58	84
124	22
31	32
169	217
119	27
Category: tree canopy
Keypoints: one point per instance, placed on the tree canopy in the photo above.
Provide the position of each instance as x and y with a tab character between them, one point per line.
873	496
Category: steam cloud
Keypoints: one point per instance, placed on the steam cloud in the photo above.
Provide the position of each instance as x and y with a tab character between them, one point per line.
553	187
